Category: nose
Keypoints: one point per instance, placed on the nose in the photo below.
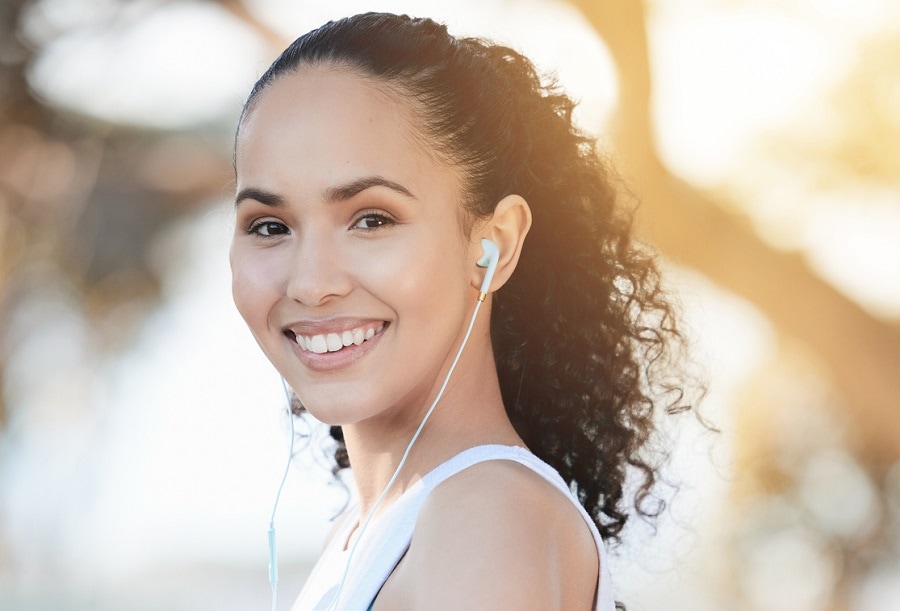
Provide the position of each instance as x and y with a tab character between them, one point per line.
317	272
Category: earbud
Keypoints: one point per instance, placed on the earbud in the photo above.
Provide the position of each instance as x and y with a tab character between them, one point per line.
489	260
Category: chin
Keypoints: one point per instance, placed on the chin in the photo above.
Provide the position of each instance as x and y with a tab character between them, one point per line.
336	412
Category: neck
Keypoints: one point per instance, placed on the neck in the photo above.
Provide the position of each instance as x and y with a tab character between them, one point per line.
470	413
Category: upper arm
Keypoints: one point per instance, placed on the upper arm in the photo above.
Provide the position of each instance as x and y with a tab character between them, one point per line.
498	536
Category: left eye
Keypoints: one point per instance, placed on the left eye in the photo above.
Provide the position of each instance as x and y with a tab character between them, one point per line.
268	229
372	221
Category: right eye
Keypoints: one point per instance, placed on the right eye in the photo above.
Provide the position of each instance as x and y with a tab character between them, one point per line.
267	229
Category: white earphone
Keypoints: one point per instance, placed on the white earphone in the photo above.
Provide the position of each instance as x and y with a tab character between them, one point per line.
489	260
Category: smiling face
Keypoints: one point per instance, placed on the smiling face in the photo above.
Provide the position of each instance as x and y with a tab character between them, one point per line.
349	261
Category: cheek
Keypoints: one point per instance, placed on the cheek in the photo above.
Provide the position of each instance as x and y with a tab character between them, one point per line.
423	279
253	287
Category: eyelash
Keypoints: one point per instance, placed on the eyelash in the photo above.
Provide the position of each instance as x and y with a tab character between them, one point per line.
381	218
255	227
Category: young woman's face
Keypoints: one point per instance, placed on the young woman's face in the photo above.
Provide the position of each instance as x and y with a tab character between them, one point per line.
349	261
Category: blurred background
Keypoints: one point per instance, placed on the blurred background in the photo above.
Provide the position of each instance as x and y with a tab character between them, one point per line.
143	436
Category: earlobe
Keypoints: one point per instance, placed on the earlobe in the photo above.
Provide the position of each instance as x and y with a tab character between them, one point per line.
506	228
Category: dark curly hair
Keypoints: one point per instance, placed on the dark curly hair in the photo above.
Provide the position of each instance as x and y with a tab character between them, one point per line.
583	335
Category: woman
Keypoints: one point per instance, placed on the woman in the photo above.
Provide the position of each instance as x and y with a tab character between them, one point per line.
372	159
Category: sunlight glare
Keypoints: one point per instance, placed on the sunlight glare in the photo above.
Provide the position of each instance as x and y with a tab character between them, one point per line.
725	75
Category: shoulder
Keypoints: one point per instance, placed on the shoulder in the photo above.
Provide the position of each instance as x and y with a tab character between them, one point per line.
497	535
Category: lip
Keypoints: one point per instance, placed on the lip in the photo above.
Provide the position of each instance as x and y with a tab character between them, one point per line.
332	361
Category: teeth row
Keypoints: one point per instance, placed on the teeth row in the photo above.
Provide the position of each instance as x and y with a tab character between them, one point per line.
332	342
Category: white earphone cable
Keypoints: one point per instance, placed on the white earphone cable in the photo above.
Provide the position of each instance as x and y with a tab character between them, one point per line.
488	260
273	560
409	446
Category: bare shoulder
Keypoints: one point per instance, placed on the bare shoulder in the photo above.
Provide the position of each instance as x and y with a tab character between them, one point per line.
499	536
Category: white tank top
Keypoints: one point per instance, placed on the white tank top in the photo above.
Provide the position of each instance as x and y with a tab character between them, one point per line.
387	538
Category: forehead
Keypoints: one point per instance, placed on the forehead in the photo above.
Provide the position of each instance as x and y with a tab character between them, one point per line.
321	113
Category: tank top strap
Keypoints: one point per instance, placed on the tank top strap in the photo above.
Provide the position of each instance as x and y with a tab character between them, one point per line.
479	454
389	536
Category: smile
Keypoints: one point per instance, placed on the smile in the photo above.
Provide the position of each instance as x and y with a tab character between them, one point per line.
333	342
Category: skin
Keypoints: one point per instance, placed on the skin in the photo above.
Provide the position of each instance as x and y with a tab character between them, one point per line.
345	219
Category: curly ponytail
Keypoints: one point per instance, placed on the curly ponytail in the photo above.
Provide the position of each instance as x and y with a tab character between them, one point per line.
583	335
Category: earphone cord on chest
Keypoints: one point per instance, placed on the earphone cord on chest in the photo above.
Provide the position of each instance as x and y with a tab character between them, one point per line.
396	474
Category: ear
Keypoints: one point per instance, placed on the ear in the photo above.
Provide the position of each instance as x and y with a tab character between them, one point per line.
507	228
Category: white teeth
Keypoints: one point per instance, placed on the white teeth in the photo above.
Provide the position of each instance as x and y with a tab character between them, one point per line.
317	344
333	341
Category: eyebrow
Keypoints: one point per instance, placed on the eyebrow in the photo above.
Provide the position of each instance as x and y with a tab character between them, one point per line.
353	188
332	194
260	195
